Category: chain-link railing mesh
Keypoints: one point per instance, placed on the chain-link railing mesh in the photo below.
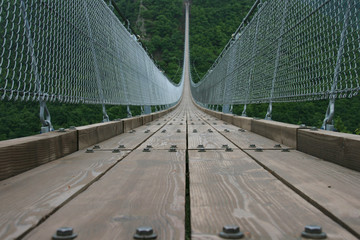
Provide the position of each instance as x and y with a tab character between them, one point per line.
75	51
291	50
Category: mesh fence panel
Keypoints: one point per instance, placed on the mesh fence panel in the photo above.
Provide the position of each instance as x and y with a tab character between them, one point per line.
291	50
75	51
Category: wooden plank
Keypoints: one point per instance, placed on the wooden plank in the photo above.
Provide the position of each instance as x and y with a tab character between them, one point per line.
230	188
22	154
339	148
95	133
210	140
335	188
131	140
283	133
164	140
30	196
144	189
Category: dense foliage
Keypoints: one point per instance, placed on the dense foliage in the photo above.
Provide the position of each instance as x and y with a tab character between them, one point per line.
159	24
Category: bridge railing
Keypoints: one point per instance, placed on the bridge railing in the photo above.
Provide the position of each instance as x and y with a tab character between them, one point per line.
75	51
291	50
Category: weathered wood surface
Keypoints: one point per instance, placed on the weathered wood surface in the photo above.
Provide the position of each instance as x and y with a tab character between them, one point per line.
20	155
230	188
131	140
144	189
30	196
339	148
210	140
171	136
335	188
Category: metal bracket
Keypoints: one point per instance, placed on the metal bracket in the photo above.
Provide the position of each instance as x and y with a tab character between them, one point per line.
45	118
244	112
328	123
129	114
269	112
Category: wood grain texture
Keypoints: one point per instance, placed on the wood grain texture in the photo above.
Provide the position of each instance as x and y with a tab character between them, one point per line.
20	155
339	148
131	140
213	140
335	188
230	188
30	196
243	122
143	189
283	133
95	133
244	139
164	140
131	123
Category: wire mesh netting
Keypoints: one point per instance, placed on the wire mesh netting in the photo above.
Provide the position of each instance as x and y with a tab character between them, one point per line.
75	51
291	50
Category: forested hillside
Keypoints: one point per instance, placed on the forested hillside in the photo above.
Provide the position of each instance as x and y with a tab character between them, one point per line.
159	26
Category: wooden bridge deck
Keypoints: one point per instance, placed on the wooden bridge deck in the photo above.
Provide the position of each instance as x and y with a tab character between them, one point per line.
269	194
103	195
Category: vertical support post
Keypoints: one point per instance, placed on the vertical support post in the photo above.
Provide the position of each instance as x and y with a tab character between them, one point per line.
96	67
129	114
226	108
147	109
328	123
45	117
269	111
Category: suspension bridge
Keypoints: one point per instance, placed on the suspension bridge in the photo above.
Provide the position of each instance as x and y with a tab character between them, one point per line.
187	171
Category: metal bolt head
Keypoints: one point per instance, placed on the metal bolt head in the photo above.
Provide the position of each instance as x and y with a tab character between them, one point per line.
225	146
277	146
89	150
146	150
163	131
226	130
178	130
64	233
313	129
149	146
200	146
228	149
173	146
61	130
258	150
116	150
181	123
194	131
170	123
96	147
158	124
285	150
231	229
121	146
313	229
145	233
314	232
252	146
231	232
72	128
